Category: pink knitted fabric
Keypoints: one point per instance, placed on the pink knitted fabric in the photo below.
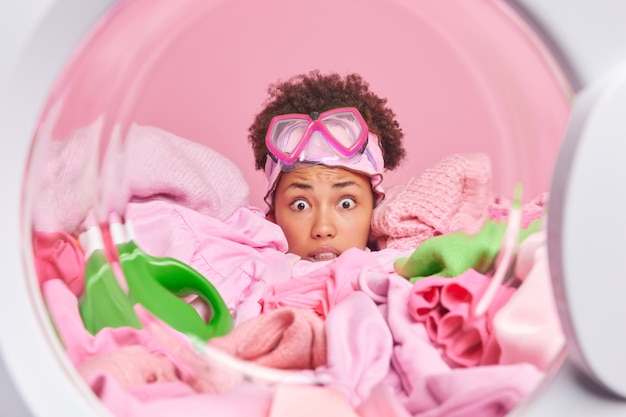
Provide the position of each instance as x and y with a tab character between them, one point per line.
286	338
451	196
144	163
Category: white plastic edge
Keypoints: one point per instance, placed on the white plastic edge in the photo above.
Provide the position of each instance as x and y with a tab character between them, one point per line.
39	372
586	230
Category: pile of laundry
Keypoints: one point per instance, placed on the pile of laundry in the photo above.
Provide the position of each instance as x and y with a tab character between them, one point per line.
452	316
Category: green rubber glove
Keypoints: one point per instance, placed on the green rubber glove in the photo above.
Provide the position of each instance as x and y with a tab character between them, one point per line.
452	254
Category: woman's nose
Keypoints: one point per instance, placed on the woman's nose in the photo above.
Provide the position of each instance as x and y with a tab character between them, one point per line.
323	226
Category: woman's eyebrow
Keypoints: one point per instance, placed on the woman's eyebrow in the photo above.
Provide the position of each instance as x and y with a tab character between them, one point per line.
345	184
300	185
306	186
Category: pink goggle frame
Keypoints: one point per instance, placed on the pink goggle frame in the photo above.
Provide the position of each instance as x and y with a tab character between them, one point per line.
289	135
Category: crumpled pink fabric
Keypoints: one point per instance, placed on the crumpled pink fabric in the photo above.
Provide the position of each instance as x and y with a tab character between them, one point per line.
130	366
286	338
146	163
133	357
59	255
464	393
178	399
446	307
451	196
528	328
322	289
359	348
241	255
424	384
534	209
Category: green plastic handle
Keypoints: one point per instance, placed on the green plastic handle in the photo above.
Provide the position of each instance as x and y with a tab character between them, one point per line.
158	283
104	303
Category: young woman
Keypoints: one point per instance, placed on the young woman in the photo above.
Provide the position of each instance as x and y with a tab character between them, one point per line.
324	142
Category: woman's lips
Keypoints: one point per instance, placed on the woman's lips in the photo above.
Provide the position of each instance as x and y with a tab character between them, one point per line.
325	253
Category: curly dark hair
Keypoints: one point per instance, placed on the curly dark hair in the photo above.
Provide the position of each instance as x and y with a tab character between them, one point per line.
316	92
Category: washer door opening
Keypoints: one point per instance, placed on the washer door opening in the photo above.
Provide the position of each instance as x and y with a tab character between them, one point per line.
474	81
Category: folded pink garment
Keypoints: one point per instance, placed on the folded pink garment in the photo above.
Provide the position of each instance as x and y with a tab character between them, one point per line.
451	196
72	176
286	338
528	328
59	255
446	307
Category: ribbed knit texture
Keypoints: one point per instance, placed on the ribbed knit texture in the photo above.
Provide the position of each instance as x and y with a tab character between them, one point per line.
453	195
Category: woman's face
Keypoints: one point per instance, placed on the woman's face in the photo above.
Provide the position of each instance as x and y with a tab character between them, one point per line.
323	211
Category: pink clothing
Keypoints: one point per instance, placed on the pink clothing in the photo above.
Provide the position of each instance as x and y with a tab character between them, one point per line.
308	401
364	341
527	331
286	338
382	402
132	357
451	196
242	256
327	402
359	347
426	385
130	366
58	255
485	391
447	305
143	163
351	322
499	209
323	288
177	399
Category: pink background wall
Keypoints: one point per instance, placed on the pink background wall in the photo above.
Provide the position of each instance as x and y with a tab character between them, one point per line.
461	76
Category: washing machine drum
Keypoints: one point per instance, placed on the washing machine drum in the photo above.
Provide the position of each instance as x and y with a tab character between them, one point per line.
171	294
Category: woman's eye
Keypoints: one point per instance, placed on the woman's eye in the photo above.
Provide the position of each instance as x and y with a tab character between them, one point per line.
347	203
300	205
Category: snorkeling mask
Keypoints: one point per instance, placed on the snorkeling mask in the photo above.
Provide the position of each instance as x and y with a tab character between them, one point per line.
335	138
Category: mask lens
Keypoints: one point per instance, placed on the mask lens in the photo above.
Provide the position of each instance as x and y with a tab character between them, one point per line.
345	128
287	134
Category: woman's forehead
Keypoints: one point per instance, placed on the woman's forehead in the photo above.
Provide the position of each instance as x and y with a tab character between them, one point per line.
323	174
